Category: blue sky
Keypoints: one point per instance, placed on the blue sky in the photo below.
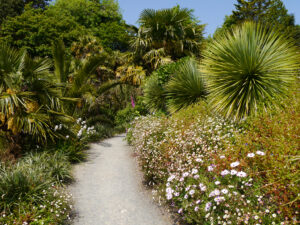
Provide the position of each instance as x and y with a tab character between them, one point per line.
210	12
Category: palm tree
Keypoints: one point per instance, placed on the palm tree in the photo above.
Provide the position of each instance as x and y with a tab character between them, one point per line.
166	35
29	104
247	67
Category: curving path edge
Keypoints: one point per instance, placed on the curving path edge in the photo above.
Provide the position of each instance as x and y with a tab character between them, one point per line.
109	191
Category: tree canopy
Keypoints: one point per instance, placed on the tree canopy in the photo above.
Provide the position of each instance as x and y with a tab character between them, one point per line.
167	34
11	8
68	20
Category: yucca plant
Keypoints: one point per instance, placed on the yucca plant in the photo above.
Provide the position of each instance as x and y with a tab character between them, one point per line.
186	86
249	66
154	94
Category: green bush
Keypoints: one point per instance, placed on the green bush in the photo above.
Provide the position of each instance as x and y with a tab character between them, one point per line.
215	171
31	190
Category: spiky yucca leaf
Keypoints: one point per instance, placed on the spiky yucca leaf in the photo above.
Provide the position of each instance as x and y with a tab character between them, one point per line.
247	67
186	87
154	95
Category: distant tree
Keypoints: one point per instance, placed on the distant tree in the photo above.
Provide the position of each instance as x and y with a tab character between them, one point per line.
271	13
36	29
264	11
68	20
102	18
11	8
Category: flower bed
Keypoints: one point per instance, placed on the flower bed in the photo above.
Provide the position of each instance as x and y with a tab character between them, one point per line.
203	167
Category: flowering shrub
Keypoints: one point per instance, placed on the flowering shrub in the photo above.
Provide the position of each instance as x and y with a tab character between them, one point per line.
190	160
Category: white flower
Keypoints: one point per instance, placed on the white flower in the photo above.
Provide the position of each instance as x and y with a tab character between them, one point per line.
169	196
260	153
202	187
191	192
217	182
224	172
199	160
241	174
215	192
210	168
250	155
196	208
219	199
207	206
169	190
256	217
55	128
198	201
185	174
196	176
194	171
233	172
171	178
274	215
180	210
235	164
67	136
224	191
222	157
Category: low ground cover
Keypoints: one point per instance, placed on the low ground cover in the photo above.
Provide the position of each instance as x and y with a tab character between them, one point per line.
214	171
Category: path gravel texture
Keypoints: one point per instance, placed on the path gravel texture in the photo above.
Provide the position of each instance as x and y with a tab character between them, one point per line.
109	190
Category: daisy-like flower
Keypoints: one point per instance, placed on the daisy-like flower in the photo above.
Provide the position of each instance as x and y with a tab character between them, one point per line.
185	174
217	182
219	199
202	187
191	192
169	196
241	174
196	209
225	172
250	155
260	153
233	172
207	206
234	164
210	168
171	178
224	191
194	171
222	157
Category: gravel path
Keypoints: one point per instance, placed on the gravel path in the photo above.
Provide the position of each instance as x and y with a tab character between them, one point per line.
109	191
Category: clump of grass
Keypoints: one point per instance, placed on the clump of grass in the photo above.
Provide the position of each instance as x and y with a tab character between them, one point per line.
32	190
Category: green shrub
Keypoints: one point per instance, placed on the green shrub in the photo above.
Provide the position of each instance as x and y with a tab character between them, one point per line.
215	171
31	190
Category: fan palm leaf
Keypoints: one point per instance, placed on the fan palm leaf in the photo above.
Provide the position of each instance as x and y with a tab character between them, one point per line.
247	67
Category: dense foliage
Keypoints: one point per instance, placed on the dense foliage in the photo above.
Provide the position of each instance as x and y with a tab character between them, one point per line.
167	34
68	20
211	170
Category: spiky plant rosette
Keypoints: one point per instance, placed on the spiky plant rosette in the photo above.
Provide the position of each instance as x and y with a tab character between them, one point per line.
248	67
186	87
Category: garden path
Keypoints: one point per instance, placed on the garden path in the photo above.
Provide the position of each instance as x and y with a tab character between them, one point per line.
109	191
